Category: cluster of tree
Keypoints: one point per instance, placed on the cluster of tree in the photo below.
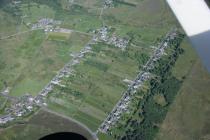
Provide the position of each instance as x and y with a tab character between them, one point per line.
70	91
12	9
4	2
142	58
98	47
134	36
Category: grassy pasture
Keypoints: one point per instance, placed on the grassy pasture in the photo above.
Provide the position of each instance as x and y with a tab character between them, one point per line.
146	20
90	4
138	16
31	62
160	100
34	12
7	24
82	22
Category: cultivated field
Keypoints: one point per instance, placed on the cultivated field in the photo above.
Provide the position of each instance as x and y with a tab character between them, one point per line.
97	84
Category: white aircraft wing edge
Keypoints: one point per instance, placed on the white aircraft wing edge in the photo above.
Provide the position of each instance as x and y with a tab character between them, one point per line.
194	17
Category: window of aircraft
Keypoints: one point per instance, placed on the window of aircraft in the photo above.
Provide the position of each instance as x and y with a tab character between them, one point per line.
208	2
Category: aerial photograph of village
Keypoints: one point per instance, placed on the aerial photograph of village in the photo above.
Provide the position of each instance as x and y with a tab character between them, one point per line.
103	69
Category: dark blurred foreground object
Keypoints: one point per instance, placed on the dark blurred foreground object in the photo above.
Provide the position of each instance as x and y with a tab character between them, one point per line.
207	2
63	136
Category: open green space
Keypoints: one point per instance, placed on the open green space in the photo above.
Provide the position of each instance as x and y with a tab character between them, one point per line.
148	18
29	61
33	12
7	24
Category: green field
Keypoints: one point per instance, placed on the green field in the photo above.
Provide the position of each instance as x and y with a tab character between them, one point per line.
31	62
7	24
28	61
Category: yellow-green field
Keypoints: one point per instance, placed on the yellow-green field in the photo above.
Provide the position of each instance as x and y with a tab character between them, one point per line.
58	36
31	62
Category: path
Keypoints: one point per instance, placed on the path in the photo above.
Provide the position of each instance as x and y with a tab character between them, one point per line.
6	37
9	36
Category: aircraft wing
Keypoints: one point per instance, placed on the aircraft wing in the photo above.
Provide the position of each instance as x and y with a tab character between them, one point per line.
194	17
